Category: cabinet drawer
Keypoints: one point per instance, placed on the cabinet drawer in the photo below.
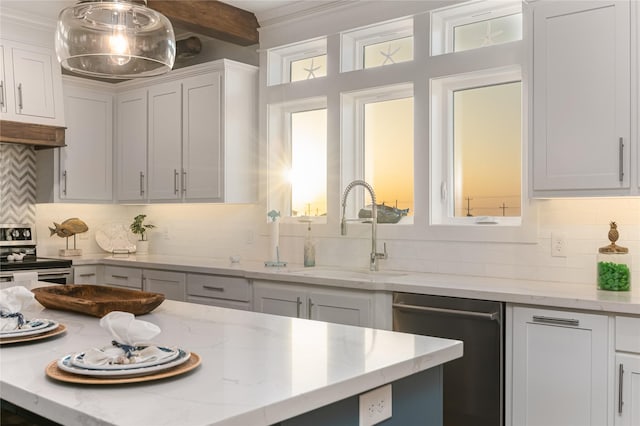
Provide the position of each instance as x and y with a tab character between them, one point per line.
230	288
123	277
85	274
628	334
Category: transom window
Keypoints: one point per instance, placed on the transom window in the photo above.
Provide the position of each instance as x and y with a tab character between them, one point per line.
296	62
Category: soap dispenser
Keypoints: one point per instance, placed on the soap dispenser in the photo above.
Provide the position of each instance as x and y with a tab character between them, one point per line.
614	264
309	248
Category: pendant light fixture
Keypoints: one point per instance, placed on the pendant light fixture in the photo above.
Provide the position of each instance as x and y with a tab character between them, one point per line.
118	39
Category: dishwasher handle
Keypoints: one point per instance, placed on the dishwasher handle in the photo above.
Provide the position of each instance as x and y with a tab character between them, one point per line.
491	316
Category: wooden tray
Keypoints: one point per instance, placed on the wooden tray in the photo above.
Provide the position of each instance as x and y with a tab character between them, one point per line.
97	300
19	339
54	372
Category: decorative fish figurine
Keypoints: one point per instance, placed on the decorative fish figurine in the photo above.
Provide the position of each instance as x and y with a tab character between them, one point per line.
68	228
386	214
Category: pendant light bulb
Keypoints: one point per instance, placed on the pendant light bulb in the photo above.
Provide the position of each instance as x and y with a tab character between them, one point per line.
117	39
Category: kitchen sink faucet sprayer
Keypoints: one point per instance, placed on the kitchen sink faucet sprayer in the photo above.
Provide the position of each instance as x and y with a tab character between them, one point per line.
373	260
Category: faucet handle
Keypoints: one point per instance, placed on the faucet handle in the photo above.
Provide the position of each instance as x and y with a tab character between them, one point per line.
384	254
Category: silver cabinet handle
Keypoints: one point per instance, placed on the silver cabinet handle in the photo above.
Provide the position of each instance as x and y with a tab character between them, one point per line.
64	189
208	287
184	181
87	275
620	378
621	158
175	181
120	277
20	96
309	307
141	184
2	94
298	303
478	315
556	321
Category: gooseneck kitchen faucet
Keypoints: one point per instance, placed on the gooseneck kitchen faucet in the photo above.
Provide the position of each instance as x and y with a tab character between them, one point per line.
373	260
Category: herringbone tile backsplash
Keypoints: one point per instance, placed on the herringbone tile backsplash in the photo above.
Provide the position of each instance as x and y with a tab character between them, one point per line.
17	184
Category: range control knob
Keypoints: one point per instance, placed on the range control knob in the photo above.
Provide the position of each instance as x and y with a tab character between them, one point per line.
26	233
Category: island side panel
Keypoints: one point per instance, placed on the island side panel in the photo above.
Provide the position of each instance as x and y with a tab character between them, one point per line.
416	399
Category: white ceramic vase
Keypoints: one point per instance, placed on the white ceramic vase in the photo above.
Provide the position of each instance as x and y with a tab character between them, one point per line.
142	247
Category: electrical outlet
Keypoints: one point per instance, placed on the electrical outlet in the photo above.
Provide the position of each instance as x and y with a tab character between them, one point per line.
559	244
375	406
165	233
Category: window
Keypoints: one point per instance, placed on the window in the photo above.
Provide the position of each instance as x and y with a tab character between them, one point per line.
379	149
475	24
298	158
296	62
477	131
377	45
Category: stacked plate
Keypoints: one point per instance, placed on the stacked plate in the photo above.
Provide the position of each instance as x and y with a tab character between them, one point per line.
122	367
31	330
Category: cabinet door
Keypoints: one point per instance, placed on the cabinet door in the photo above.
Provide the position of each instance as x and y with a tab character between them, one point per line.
560	368
165	119
3	83
340	307
33	83
627	403
132	145
86	162
202	150
581	96
171	284
277	299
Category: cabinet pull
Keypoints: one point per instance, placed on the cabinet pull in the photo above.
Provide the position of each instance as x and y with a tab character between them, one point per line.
208	287
309	308
20	96
557	321
2	94
175	181
87	275
64	189
621	158
620	377
491	316
184	181
120	277
298	303
141	184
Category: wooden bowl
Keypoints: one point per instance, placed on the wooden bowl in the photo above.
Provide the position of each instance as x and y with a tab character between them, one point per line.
97	300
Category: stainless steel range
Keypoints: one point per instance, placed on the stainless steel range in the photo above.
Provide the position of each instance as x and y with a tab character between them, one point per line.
18	254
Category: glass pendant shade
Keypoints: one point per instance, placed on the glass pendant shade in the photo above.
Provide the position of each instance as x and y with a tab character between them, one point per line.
115	39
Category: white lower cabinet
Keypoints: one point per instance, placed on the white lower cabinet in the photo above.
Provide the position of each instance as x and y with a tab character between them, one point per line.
627	382
313	302
172	284
559	368
86	274
122	276
217	290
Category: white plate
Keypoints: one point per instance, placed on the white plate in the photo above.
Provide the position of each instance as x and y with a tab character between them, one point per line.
48	325
65	364
77	360
114	237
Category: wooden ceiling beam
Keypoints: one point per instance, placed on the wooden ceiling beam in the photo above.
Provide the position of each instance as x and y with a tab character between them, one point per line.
210	18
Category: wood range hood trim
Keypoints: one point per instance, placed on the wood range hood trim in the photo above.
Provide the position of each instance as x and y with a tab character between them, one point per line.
38	135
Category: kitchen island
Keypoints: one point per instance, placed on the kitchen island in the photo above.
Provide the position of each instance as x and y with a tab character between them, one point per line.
256	369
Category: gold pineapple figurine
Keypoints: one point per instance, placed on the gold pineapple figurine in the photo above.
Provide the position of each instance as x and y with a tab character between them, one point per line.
613	232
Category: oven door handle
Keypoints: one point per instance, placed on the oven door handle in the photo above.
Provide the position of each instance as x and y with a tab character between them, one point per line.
490	316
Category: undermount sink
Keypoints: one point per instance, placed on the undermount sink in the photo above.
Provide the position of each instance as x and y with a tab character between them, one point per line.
348	274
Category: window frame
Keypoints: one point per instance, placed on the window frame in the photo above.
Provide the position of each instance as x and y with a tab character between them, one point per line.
442	145
280	59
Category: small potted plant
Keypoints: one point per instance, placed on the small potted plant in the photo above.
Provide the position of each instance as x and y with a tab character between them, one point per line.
137	227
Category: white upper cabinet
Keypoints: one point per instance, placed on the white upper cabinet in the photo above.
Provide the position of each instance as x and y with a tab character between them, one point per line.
31	84
131	146
581	98
200	136
86	162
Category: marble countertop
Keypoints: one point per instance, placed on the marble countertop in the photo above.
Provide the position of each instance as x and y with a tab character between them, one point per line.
256	369
543	293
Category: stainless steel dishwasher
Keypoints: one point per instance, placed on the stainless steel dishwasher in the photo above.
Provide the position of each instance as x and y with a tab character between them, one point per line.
474	384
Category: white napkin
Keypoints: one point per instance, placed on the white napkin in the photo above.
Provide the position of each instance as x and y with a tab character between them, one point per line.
13	301
128	334
26	279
